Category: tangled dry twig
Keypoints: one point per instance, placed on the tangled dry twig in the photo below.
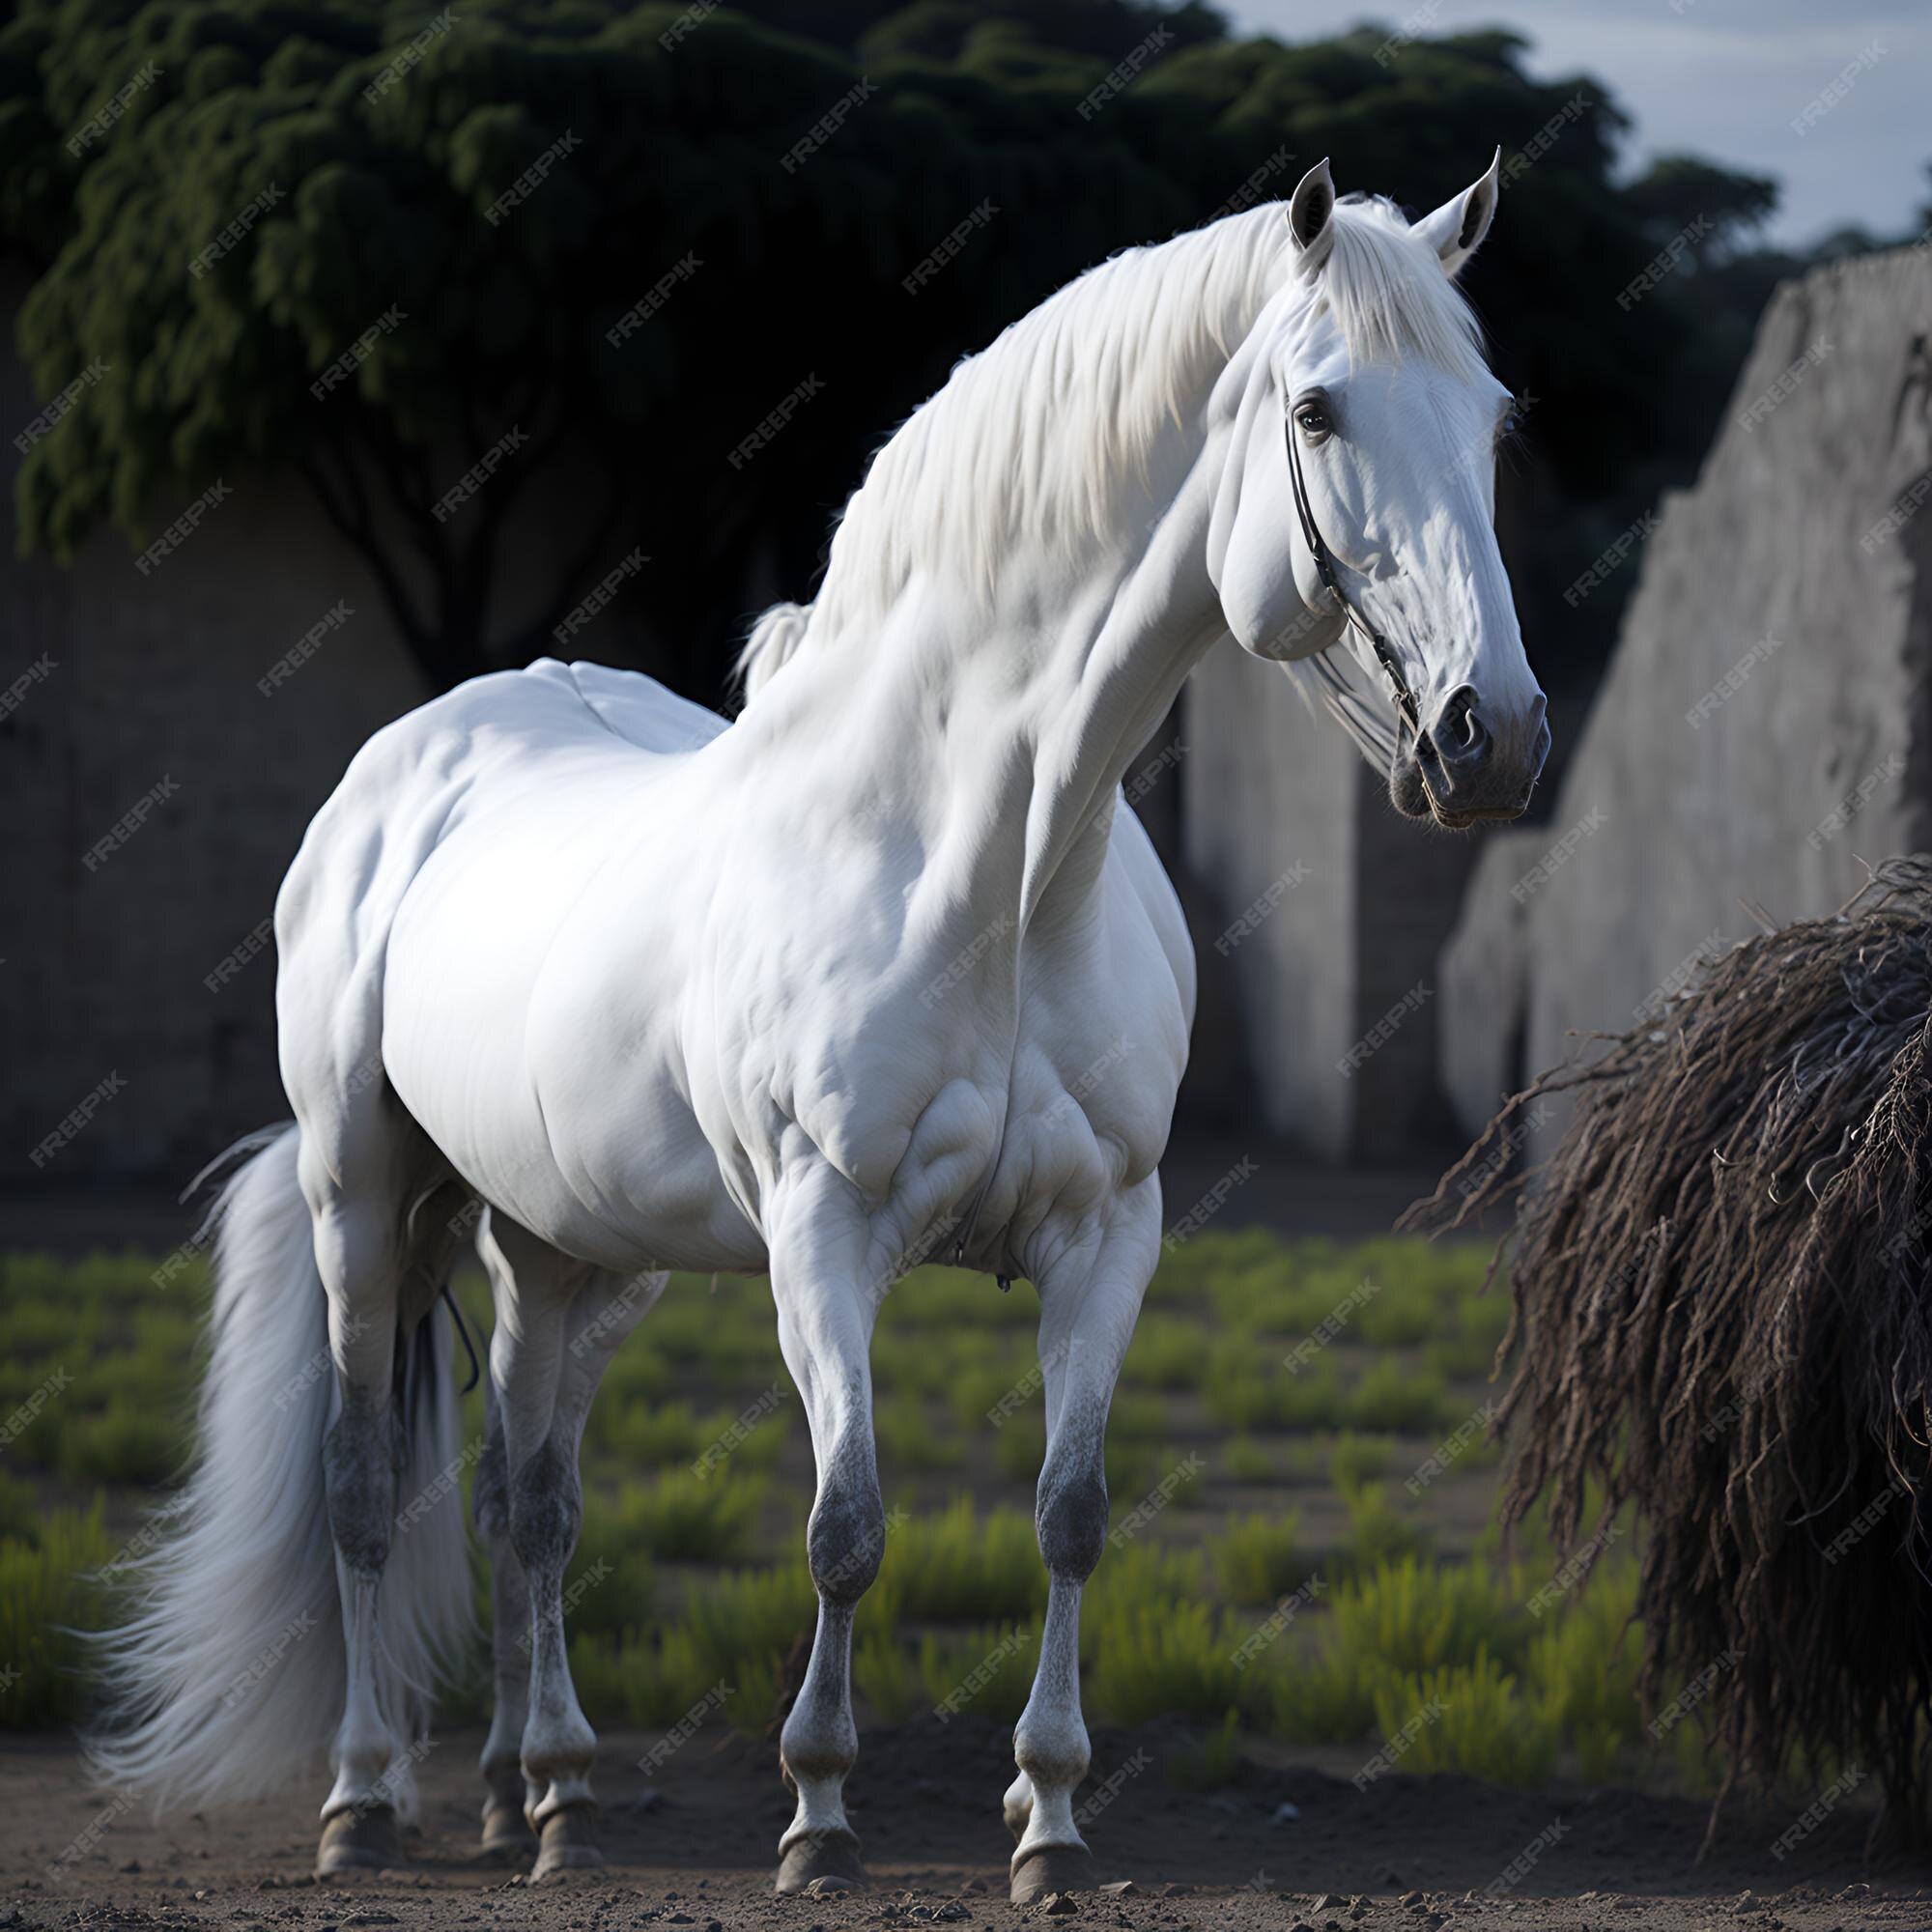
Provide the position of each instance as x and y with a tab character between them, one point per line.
1723	1314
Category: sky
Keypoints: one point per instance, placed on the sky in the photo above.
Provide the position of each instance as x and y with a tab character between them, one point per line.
1720	79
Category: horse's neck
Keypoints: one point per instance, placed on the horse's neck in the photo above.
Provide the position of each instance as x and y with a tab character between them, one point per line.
997	720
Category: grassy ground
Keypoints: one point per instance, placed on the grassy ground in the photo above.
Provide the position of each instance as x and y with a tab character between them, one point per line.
1285	1558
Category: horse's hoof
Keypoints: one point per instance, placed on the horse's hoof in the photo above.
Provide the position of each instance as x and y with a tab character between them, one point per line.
507	1837
569	1842
1051	1869
822	1855
362	1839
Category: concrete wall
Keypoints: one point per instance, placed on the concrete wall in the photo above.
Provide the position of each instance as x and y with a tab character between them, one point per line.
153	683
1763	726
1266	786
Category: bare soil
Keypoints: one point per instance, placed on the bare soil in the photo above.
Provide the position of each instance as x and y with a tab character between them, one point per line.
695	1845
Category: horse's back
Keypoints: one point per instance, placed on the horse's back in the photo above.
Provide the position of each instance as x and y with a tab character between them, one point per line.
518	749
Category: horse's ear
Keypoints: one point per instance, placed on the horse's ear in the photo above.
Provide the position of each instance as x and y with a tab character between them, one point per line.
1309	212
1456	230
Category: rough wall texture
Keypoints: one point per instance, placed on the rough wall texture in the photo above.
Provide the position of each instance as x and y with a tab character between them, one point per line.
1268	788
153	684
1764	724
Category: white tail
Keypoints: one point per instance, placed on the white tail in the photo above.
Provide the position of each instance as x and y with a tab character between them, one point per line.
228	1677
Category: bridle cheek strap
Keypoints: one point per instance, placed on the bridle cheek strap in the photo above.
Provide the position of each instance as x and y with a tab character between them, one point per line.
1324	568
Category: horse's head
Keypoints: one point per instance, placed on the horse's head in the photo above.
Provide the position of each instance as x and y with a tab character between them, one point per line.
1360	483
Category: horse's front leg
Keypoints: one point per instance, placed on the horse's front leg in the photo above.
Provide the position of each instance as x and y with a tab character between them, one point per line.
826	1302
1087	1304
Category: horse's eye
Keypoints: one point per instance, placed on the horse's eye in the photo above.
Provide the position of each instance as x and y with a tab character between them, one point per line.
1314	420
1511	424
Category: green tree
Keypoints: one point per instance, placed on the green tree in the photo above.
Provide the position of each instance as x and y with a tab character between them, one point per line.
368	150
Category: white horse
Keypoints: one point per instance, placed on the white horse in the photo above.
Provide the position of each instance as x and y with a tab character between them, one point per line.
806	995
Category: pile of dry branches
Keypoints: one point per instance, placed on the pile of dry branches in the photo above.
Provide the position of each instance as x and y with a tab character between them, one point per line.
1723	1317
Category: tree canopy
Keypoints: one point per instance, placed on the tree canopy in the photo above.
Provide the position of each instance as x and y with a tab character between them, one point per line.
631	231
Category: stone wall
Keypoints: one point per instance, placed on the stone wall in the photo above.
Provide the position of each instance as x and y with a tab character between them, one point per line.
1272	793
153	695
1762	730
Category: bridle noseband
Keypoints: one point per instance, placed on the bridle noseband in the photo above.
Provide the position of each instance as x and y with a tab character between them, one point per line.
1324	568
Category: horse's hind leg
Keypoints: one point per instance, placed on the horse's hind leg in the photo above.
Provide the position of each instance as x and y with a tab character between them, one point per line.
509	1799
359	1215
559	1324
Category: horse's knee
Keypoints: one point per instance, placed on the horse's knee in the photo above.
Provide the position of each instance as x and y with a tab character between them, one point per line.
1070	1516
845	1538
362	1457
546	1511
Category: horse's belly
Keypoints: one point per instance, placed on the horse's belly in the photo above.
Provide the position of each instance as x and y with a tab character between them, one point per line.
543	1118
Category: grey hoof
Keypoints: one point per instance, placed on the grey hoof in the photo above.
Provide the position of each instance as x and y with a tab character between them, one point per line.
358	1840
829	1855
569	1842
1052	1868
507	1837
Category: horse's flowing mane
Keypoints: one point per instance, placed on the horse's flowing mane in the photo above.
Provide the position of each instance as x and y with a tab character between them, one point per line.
1048	429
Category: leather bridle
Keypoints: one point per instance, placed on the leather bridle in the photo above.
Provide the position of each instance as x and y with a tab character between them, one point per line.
1324	568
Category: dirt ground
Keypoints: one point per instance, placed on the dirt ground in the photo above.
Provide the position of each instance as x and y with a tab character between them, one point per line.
694	1845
